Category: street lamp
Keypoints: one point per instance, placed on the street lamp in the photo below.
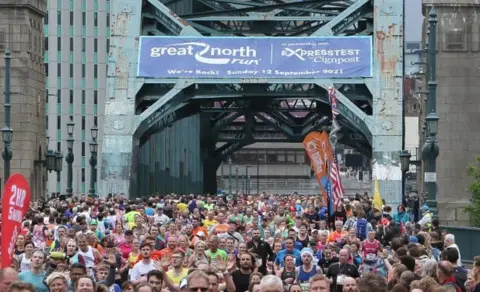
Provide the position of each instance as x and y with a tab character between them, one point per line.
258	175
230	176
405	165
69	159
431	148
7	132
247	180
93	160
236	178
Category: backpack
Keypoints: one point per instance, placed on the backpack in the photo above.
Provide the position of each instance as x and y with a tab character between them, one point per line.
362	228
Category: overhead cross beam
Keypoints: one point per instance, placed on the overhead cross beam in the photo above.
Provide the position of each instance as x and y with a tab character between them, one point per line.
345	19
170	20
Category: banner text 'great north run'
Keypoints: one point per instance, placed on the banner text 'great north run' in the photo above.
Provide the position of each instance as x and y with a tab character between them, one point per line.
255	57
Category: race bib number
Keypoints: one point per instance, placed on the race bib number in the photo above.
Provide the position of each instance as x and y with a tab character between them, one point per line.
341	279
371	257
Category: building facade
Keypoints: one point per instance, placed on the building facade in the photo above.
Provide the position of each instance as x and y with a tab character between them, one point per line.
77	40
458	106
21	24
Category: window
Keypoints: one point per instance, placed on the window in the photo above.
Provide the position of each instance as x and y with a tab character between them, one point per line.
58	177
83	174
108	46
59	122
84	44
95	120
71	17
59	44
95	97
71	70
59	96
95	71
46	122
45	43
2	38
59	18
95	45
84	18
46	69
455	40
46	96
300	157
71	96
291	157
59	69
83	71
108	19
83	123
83	148
45	19
71	44
95	19
83	96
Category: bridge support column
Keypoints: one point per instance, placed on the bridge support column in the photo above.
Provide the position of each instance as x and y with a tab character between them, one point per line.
119	119
209	160
387	91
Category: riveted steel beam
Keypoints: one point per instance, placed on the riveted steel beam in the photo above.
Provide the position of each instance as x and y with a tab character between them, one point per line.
260	17
170	20
352	113
263	7
345	19
257	81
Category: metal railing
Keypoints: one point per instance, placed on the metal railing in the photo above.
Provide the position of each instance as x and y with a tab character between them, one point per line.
467	239
288	186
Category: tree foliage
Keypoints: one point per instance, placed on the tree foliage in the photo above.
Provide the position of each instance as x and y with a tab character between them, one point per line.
473	171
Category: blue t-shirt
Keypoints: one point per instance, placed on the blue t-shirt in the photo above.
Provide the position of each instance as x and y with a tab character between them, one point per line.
35	280
279	260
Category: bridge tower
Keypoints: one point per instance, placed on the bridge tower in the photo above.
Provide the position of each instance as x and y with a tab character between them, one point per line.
170	134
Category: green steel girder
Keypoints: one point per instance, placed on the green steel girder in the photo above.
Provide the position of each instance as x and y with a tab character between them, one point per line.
262	105
260	8
168	19
346	19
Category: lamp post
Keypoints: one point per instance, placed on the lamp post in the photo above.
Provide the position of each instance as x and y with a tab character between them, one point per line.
93	160
230	176
69	159
247	180
53	159
243	183
430	148
236	178
7	132
405	165
258	176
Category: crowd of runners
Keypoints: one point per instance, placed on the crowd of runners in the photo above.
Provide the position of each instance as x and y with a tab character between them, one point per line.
243	243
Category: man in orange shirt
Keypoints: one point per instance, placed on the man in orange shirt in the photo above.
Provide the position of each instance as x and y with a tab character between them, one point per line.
166	252
221	227
336	235
197	228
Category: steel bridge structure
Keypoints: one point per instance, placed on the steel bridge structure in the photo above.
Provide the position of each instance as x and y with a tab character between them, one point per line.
170	135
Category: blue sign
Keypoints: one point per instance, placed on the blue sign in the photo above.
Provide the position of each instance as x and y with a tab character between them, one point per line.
255	57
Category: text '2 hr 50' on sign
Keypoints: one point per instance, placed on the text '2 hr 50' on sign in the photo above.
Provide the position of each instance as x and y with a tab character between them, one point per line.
15	203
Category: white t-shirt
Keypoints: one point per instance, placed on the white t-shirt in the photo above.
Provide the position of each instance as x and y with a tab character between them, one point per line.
140	270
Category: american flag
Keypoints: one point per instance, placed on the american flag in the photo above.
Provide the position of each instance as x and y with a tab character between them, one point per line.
333	101
337	189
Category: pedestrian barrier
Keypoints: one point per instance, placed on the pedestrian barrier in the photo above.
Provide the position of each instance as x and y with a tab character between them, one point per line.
290	185
467	239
